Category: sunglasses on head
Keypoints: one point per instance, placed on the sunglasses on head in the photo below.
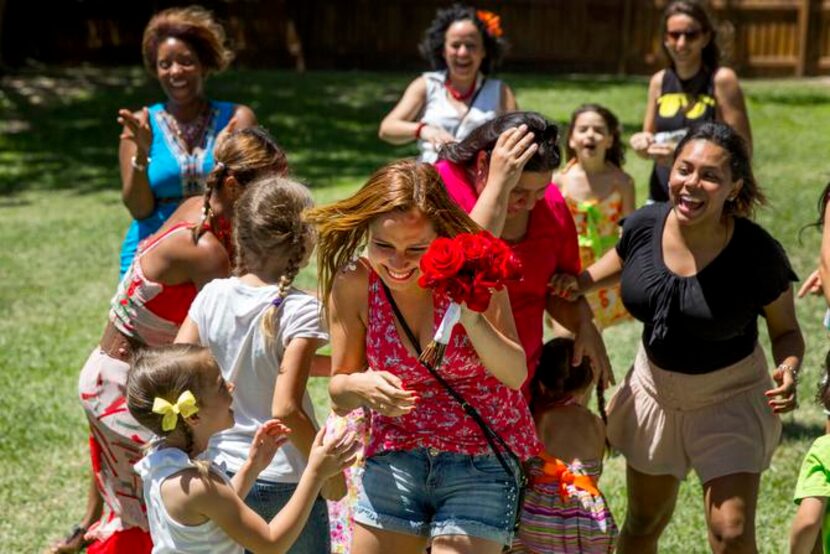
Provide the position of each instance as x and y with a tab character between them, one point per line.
690	35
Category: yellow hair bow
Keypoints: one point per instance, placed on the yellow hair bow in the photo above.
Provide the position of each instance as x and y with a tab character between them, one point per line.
185	405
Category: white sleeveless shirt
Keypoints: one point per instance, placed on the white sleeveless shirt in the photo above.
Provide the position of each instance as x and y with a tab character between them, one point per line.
439	112
168	534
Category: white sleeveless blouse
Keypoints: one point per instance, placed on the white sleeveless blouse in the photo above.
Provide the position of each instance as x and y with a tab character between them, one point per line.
169	535
439	112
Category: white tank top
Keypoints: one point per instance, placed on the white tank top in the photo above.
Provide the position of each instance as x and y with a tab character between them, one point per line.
439	112
169	535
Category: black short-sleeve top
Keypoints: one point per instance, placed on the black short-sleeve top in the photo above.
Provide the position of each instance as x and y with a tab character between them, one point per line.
709	320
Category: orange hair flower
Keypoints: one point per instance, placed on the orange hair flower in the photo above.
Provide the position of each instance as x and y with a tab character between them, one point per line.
492	22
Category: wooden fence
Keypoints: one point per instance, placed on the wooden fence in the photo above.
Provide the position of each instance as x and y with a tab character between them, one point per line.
760	37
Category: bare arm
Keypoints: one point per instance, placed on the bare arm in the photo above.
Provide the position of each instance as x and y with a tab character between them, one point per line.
213	498
603	273
731	104
628	193
188	332
287	403
496	341
399	126
787	349
642	140
806	527
513	149
824	257
508	100
136	138
351	386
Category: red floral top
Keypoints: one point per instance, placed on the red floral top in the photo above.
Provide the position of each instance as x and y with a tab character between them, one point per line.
438	421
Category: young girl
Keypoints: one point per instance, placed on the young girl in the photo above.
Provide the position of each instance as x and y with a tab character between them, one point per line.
598	193
813	487
178	393
563	509
263	334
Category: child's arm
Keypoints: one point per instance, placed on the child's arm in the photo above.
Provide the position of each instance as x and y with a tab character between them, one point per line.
628	193
267	441
287	404
188	332
217	501
806	527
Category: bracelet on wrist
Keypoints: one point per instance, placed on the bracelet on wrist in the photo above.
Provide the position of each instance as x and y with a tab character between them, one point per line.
419	128
783	366
139	166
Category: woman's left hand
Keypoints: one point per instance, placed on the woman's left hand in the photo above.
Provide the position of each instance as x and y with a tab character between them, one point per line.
782	398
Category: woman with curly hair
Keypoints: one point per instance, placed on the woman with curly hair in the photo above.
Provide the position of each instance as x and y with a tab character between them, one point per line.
464	46
166	150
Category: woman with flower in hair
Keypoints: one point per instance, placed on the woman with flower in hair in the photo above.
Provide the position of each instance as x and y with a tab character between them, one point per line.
430	474
463	46
191	249
166	150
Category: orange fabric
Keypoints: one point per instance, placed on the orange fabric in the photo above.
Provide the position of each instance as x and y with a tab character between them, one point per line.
555	470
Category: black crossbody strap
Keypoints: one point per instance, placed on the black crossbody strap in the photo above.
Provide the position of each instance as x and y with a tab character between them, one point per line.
489	434
470	106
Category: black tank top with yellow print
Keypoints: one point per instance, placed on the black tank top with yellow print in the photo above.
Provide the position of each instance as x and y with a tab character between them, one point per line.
681	104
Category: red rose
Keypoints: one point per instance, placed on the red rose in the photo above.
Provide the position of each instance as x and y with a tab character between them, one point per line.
475	246
442	260
478	299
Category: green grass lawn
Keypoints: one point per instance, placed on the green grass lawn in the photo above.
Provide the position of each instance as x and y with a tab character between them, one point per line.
61	222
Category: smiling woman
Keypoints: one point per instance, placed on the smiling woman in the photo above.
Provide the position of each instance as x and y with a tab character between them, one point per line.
166	150
698	272
380	318
442	106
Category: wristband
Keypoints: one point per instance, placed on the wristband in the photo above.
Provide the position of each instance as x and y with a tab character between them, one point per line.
418	129
140	167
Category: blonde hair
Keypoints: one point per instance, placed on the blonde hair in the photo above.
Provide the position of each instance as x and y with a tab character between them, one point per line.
247	155
343	227
166	372
268	223
193	25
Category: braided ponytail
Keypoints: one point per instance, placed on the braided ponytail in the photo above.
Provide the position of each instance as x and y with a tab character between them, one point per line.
246	155
269	227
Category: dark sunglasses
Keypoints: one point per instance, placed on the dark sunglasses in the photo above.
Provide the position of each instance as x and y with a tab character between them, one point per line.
690	35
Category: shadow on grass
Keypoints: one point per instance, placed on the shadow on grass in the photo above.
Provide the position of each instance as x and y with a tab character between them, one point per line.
61	131
798	432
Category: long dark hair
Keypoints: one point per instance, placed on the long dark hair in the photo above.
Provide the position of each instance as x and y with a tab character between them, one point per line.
615	154
750	196
711	52
432	45
484	138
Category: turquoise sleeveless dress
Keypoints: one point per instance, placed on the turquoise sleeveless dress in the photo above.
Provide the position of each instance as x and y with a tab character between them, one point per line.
174	174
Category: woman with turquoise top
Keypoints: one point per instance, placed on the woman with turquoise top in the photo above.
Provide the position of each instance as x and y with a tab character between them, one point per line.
166	149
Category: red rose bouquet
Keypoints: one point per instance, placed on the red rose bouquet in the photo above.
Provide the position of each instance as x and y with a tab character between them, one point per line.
467	268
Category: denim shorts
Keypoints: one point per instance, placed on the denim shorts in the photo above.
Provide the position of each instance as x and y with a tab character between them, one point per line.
267	498
431	493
